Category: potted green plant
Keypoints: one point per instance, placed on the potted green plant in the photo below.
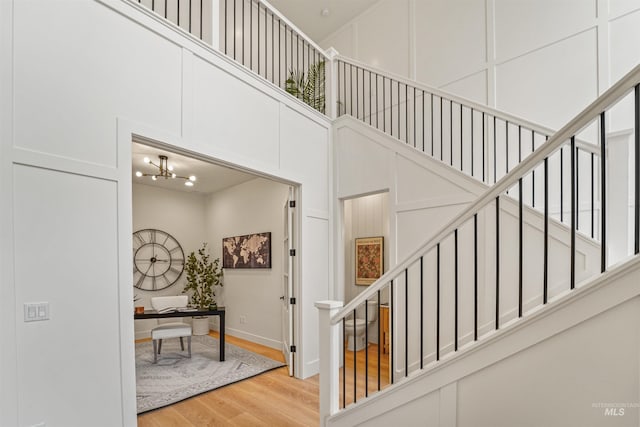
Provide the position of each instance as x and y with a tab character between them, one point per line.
308	88
203	276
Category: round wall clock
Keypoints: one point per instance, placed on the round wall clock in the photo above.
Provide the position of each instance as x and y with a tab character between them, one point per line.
158	260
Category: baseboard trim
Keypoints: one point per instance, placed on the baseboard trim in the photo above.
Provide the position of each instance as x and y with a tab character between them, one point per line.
268	342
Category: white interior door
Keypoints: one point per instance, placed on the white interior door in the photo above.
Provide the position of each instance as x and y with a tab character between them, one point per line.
287	283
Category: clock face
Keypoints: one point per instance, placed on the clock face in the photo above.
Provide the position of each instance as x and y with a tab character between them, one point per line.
158	260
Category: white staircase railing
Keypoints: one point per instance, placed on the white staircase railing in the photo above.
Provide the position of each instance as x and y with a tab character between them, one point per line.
443	295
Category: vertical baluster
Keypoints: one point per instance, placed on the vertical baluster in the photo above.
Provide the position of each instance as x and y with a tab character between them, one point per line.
484	156
266	37
573	212
592	197
471	143
406	113
461	132
636	232
497	262
603	194
225	22
243	33
520	236
506	157
351	89
406	322
258	41
422	122
380	342
273	40
451	133
384	105
519	144
190	9
438	301
355	364
251	34
392	313
495	152
357	95
286	56
370	97
455	285
545	266
421	312
391	107
344	364
234	28
178	15
366	348
475	277
377	104
364	112
533	172
399	131
577	190
562	184
441	126
338	79
432	125
415	125
201	13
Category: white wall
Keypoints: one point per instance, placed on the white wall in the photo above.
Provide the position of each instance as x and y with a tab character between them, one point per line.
509	55
255	206
79	79
178	213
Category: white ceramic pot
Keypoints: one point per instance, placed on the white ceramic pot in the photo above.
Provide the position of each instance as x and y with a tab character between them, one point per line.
200	325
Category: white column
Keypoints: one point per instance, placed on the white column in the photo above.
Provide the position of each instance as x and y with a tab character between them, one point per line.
329	359
331	85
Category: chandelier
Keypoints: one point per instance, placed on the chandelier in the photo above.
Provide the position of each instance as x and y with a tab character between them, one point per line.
165	171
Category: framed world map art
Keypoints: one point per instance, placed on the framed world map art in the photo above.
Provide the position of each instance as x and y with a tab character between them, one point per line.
369	259
249	251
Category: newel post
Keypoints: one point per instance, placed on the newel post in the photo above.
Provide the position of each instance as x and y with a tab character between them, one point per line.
332	86
329	358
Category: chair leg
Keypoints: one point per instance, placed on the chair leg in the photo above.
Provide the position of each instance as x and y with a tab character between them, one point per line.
155	354
159	346
181	344
189	345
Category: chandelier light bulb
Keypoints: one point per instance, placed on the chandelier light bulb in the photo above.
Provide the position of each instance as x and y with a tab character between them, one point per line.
138	174
153	177
173	175
188	184
192	178
146	160
170	168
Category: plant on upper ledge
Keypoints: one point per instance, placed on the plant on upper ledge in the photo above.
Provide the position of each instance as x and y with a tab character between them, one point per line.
202	278
308	88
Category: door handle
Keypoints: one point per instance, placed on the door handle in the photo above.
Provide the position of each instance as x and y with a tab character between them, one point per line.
282	297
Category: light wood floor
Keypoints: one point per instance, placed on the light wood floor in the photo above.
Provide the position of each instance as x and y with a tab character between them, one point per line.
270	399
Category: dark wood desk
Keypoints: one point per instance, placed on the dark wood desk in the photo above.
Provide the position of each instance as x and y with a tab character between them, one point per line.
152	314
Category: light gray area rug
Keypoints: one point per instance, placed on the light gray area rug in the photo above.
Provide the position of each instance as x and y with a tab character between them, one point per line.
176	377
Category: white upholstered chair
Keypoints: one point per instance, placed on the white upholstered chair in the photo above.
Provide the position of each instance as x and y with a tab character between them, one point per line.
170	330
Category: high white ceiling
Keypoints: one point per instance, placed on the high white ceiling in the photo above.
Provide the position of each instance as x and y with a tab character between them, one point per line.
210	177
307	14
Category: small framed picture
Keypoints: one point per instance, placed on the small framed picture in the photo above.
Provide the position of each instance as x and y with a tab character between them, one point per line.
369	259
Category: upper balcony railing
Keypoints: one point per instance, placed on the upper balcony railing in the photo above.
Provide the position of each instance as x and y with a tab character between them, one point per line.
256	35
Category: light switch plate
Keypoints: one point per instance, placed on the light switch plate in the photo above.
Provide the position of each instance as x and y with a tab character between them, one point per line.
36	311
